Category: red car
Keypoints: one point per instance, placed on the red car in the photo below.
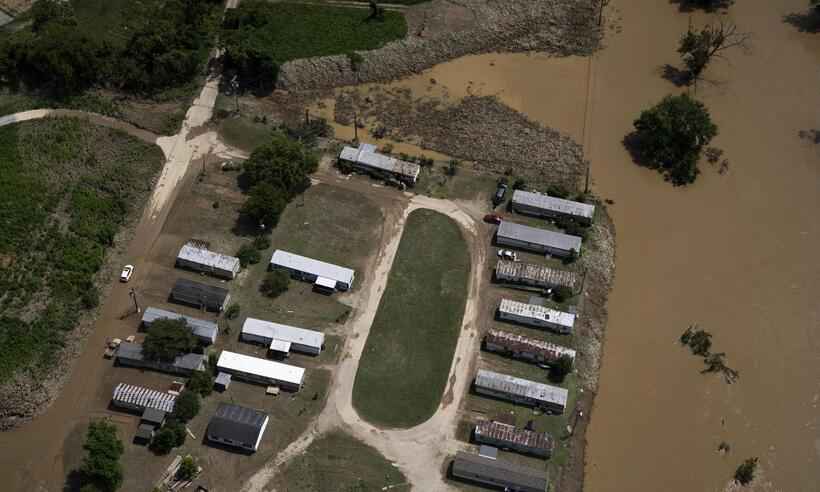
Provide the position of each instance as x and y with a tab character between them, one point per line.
492	219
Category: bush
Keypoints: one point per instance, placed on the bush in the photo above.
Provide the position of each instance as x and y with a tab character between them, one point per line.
187	468
560	368
169	437
201	382
571	258
186	406
167	339
91	297
101	466
562	293
261	243
557	191
669	137
275	283
519	184
248	255
745	473
233	311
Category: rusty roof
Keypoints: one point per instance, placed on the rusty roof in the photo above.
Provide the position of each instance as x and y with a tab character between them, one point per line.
520	343
537	274
510	434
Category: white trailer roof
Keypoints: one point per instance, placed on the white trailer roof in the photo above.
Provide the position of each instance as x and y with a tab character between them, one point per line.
260	367
543	237
280	346
366	155
208	258
522	387
276	331
314	267
537	312
546	202
325	282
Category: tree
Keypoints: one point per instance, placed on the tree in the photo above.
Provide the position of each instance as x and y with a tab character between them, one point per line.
186	406
201	382
561	293
101	466
745	473
698	48
282	163
452	167
167	339
699	341
248	255
164	441
46	11
187	468
275	283
264	205
670	136
560	368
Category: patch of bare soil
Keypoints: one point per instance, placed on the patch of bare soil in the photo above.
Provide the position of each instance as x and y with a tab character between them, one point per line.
15	7
442	30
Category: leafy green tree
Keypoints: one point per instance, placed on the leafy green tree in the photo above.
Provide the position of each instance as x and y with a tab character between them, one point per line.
560	368
264	205
233	311
282	163
562	293
101	466
187	468
164	441
186	406
201	382
47	11
167	339
669	137
248	255
745	473
275	283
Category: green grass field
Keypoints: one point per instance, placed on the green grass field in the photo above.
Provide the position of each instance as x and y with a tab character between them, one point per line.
66	188
407	357
338	462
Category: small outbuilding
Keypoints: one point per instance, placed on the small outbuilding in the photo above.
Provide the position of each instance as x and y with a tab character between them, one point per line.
281	339
144	434
537	240
523	391
236	426
537	316
222	381
320	273
498	473
153	417
261	371
204	331
540	205
199	295
195	257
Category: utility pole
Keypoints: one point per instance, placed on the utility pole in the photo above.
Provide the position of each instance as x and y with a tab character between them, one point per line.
307	117
133	295
586	182
235	88
356	127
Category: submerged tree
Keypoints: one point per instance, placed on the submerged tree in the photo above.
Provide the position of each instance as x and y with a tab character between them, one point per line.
699	341
698	48
745	473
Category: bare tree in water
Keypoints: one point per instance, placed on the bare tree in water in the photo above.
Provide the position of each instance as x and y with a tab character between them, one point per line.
698	48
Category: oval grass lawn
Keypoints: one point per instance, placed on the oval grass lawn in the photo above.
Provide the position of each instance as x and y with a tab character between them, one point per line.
407	357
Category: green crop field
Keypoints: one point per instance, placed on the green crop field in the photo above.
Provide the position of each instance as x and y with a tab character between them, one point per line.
338	462
66	188
407	357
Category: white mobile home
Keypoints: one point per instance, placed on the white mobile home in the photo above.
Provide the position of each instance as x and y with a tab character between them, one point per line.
523	391
320	273
537	240
365	158
262	371
199	259
534	315
540	205
273	334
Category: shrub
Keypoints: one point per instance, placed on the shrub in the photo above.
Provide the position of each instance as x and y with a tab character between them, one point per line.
101	466
201	382
186	406
91	297
562	293
560	368
519	184
248	255
233	311
557	190
275	283
168	338
187	468
745	473
699	341
571	258
452	167
261	243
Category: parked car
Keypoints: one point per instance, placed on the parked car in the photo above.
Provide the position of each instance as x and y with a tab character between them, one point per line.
500	193
127	272
492	219
508	254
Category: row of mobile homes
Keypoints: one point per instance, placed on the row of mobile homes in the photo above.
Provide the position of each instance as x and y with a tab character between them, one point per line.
537	240
498	474
506	436
525	348
281	338
200	295
518	272
366	158
130	354
199	259
204	331
540	205
262	371
238	427
517	390
537	316
326	277
138	399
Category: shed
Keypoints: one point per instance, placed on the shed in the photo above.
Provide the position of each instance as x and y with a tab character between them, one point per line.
310	270
523	391
240	427
200	295
535	315
204	331
130	354
537	240
199	259
499	473
153	417
266	332
279	348
541	205
144	434
261	371
222	381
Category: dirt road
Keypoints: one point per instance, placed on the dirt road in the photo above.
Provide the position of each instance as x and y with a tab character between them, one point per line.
97	119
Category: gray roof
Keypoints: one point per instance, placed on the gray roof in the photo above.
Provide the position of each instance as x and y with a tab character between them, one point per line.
277	331
236	423
201	328
199	293
143	397
512	385
133	351
223	378
468	464
315	267
366	155
145	431
554	204
202	256
153	415
535	235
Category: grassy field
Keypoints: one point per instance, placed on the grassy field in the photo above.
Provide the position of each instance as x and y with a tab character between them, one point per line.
408	354
289	31
66	188
337	462
243	133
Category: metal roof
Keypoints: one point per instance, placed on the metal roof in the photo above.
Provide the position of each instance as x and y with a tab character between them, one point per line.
223	378
554	204
520	343
276	331
469	465
202	256
260	367
199	327
153	415
325	282
536	312
366	155
133	351
534	235
203	293
313	267
512	385
536	274
510	434
238	424
143	397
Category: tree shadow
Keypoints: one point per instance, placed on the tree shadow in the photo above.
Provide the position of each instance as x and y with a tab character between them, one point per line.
681	78
74	481
705	5
804	21
632	144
